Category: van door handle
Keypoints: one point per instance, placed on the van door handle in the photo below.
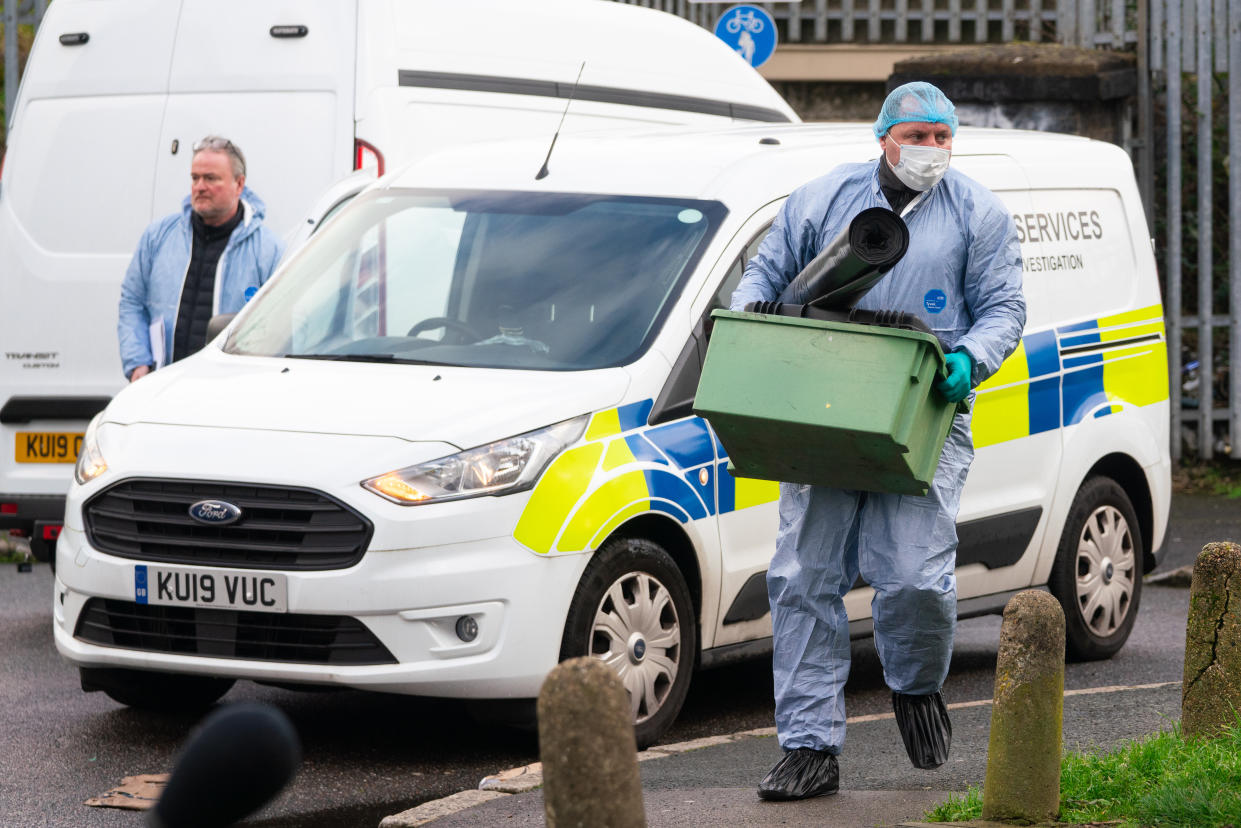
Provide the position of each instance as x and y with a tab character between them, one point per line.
289	31
74	38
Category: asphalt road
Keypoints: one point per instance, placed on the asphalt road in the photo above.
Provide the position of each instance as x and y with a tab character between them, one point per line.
369	755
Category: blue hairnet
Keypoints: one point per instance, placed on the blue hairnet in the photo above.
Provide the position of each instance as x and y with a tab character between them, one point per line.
917	101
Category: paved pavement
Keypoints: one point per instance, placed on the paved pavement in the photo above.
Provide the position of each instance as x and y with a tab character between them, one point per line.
711	782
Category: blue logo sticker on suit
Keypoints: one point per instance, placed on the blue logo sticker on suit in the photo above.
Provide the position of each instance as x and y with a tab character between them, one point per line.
250	291
749	31
935	301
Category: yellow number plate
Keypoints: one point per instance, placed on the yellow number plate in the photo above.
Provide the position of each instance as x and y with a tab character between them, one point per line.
48	446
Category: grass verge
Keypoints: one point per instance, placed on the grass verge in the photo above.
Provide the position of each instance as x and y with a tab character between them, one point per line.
1218	477
10	552
1162	779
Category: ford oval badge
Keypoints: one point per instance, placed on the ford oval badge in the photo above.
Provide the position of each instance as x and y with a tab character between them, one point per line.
215	512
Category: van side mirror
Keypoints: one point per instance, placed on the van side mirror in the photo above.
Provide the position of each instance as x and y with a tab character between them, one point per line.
218	323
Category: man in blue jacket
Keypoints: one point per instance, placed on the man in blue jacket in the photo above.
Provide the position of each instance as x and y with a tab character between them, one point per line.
205	260
962	276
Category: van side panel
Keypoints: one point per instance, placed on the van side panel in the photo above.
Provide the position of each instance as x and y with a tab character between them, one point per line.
1110	339
76	166
128	50
623	46
430	119
286	101
427	80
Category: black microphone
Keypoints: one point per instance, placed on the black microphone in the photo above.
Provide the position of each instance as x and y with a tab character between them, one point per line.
240	758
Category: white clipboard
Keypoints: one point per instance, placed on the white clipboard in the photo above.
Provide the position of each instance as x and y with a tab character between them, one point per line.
158	356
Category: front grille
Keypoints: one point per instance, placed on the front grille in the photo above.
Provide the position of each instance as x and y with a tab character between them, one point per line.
258	636
280	527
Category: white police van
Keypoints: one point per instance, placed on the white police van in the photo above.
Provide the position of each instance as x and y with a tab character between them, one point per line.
115	94
451	442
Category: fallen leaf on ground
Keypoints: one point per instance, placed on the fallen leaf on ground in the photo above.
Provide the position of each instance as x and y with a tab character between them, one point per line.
136	793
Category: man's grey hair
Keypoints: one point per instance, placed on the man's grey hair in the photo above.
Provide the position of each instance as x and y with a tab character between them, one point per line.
219	143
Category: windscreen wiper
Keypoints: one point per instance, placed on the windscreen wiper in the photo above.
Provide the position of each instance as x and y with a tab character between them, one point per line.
392	358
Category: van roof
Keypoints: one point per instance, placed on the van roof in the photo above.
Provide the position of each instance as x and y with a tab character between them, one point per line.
748	162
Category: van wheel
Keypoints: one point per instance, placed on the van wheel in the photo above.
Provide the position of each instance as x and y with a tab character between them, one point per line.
160	692
1097	575
633	612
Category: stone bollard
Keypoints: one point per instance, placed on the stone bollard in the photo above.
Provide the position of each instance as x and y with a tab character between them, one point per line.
1211	690
587	746
1023	753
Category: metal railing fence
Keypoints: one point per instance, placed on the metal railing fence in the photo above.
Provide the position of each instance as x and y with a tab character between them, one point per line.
1091	23
1195	45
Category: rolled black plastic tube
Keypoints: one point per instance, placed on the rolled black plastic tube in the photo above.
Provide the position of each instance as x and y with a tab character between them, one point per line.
852	263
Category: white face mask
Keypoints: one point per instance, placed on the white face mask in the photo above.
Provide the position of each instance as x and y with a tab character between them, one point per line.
920	168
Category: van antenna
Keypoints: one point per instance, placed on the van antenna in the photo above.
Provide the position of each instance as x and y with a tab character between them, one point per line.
542	173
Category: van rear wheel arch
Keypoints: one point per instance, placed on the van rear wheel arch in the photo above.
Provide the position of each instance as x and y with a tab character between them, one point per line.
1128	474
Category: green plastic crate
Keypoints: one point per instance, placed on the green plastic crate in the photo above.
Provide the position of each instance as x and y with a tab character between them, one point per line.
828	403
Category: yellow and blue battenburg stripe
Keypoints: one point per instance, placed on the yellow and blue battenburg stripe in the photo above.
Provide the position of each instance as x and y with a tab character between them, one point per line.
625	468
1063	376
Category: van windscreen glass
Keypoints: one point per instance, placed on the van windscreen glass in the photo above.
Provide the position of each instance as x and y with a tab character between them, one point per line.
533	281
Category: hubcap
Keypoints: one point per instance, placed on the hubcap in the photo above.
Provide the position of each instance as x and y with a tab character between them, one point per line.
1106	569
637	633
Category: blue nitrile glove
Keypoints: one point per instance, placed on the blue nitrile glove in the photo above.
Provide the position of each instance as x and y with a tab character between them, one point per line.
956	385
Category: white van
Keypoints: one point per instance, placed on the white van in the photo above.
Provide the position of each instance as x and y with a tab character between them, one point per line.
116	93
452	441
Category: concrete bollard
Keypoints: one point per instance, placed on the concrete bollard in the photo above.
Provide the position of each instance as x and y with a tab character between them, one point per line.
1211	689
1023	753
587	746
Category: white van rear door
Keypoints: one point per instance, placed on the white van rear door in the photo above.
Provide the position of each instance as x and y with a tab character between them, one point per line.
76	197
275	77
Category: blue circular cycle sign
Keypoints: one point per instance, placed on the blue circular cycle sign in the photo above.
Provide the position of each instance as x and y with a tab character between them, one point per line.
750	31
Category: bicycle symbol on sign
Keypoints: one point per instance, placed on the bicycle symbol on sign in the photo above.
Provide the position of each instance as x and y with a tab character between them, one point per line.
744	18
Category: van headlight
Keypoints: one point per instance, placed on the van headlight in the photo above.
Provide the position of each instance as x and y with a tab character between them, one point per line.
90	460
502	467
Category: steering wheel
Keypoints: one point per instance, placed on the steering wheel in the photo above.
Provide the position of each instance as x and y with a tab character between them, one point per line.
464	332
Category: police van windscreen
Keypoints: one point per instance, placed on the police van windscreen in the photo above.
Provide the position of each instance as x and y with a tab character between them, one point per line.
532	281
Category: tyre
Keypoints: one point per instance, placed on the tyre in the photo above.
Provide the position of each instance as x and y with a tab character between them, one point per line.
632	611
162	692
1097	576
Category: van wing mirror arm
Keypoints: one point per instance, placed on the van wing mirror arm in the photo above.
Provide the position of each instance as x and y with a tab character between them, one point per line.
676	398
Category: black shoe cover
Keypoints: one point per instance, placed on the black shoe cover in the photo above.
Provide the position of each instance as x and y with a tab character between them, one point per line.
925	729
801	774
